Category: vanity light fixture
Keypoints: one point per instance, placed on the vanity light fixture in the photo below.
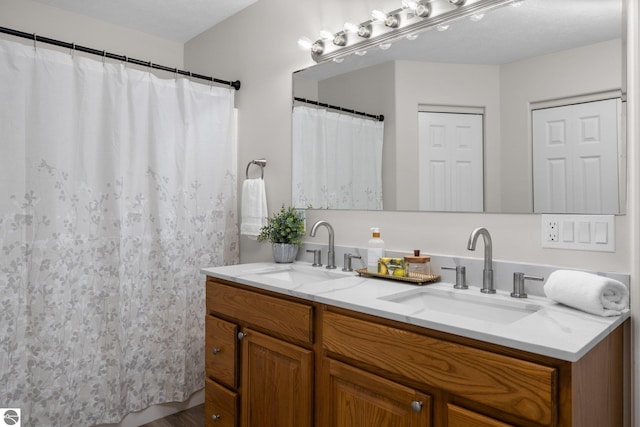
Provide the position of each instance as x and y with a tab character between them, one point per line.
364	30
423	10
392	21
340	39
408	21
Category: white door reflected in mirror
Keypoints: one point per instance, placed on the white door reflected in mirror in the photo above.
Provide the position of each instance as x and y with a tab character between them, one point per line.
451	162
575	158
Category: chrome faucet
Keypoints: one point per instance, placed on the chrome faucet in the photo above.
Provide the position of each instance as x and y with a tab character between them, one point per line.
487	272
331	254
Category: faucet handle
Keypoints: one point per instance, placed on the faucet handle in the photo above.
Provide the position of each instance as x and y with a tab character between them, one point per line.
518	284
317	257
347	261
461	276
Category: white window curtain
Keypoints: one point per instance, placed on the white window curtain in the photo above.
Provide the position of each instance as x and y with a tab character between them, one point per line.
337	160
116	188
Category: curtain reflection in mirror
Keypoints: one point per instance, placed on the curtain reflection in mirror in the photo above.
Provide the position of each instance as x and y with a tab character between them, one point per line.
337	160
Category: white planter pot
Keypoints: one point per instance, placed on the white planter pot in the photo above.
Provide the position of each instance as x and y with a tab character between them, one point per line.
284	252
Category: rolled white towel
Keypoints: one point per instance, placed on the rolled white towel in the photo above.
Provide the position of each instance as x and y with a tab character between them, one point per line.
587	292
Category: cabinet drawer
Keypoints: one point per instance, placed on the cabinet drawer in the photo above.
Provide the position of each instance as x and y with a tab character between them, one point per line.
518	387
460	417
221	351
260	311
220	405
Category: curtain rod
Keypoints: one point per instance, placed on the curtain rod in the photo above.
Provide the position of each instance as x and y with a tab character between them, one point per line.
379	118
104	54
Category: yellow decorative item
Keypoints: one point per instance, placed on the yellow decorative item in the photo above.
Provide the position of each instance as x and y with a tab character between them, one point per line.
392	267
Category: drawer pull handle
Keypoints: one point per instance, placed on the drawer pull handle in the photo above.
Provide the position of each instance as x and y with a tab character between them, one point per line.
215	417
241	335
416	406
216	350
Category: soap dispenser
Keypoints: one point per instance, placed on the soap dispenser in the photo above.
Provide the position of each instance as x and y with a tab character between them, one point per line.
375	250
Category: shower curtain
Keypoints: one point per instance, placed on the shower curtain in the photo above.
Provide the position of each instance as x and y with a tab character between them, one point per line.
116	188
337	160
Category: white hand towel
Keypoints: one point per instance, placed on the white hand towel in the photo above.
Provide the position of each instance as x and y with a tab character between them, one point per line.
587	292
254	207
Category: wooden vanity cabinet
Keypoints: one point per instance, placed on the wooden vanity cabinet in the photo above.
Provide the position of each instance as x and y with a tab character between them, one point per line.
259	364
303	364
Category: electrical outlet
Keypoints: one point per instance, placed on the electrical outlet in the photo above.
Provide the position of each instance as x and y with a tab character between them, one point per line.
551	229
578	232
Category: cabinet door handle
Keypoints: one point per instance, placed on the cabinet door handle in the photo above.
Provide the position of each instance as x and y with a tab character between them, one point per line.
416	406
216	350
241	335
216	417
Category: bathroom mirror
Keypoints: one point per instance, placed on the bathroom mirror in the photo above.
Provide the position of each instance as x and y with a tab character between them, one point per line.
515	60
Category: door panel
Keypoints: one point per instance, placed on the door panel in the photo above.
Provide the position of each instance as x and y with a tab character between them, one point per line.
451	162
575	158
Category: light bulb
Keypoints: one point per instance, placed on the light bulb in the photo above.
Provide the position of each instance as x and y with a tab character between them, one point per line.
326	35
349	26
305	43
379	16
410	4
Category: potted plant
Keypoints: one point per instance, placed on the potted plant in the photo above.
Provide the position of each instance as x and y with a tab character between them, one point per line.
284	230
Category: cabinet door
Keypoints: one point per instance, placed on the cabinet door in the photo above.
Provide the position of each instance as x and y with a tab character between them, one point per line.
460	417
277	382
360	399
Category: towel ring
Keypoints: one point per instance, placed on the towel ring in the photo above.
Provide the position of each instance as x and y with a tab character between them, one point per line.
260	162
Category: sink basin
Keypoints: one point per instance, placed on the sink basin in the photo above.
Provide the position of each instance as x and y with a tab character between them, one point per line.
300	275
488	308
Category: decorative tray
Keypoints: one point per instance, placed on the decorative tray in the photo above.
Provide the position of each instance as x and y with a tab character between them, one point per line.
414	278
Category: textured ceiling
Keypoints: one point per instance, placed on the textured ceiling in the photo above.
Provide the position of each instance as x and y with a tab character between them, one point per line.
177	20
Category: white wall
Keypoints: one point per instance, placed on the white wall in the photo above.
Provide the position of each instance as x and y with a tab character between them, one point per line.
32	17
258	46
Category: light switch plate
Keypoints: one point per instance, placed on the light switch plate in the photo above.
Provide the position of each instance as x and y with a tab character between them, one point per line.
578	232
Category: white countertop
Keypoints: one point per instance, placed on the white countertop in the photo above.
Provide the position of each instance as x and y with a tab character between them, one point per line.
549	329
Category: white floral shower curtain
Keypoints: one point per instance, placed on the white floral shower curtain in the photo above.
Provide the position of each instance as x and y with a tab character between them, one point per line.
116	188
337	160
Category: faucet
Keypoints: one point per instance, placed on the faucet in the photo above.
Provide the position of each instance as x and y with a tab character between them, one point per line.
331	255
487	272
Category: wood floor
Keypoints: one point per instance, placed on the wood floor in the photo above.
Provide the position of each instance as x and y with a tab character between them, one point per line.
193	417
